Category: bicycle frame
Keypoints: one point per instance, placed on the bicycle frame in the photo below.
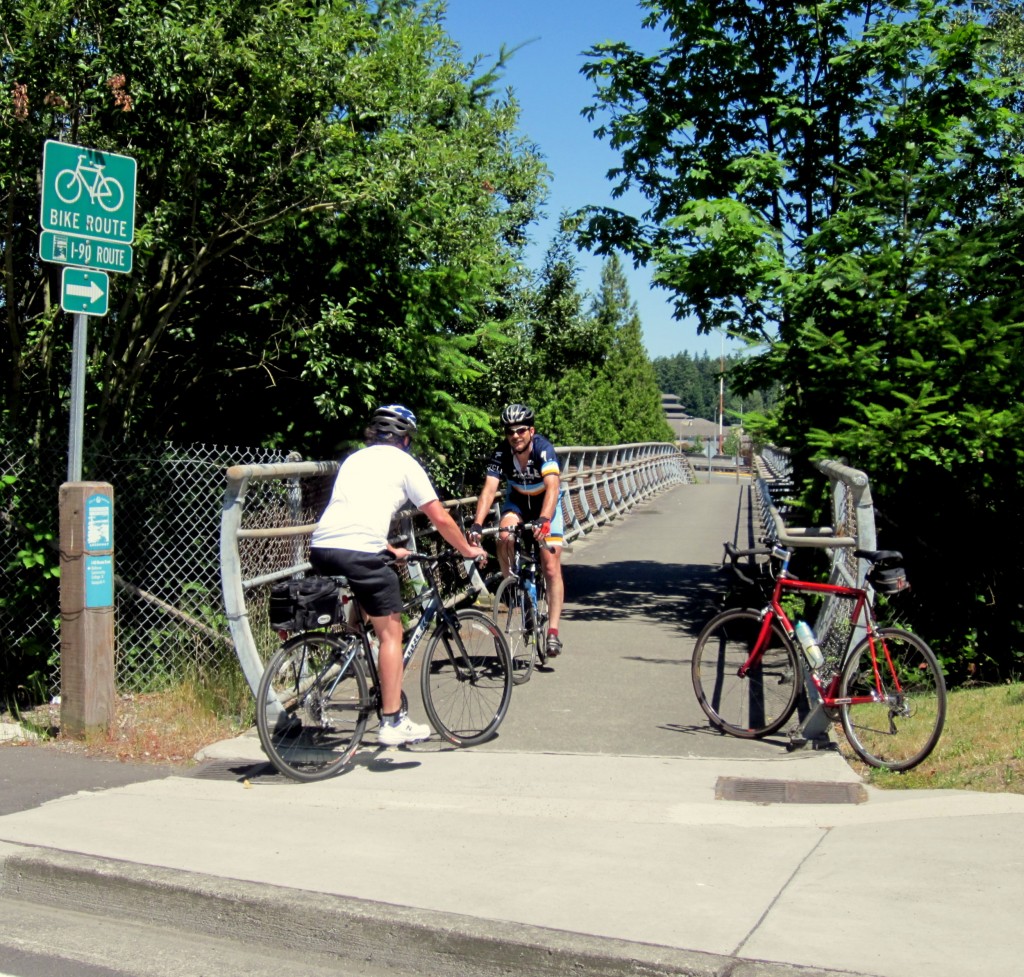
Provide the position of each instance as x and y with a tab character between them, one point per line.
432	607
862	613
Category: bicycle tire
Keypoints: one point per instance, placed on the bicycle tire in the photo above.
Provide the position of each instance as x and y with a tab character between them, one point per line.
310	716
466	678
761	701
899	733
515	615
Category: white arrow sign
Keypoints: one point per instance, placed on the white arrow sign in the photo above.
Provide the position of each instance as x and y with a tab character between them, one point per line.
84	291
92	291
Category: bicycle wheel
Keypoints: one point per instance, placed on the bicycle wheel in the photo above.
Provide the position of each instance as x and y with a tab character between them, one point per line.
758	702
312	705
466	678
515	615
902	729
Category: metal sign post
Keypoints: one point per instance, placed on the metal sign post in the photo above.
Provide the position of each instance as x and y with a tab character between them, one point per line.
87	215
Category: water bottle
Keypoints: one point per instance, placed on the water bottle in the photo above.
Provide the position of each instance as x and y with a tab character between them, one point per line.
531	591
809	643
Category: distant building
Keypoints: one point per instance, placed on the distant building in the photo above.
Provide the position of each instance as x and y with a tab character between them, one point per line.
686	428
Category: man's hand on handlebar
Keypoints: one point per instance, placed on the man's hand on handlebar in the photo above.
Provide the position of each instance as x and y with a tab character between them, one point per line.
477	553
541	529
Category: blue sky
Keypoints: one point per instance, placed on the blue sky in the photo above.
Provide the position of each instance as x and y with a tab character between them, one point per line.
545	76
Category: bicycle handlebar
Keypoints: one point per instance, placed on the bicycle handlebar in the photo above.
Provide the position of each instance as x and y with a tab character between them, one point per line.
432	558
516	530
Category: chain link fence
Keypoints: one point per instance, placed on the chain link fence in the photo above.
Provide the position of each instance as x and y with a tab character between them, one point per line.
169	611
169	616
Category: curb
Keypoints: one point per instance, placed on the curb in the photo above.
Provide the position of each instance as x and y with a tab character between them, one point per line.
398	938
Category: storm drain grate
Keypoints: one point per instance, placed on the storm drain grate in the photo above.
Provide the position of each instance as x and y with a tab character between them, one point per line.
240	771
788	791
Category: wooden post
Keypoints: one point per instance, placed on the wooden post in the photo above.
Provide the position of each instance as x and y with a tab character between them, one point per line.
87	698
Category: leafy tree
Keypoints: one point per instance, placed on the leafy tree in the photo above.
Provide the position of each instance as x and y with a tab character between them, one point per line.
842	183
328	199
331	206
633	397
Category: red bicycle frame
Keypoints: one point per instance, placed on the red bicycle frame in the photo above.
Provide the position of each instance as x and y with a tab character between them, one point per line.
862	612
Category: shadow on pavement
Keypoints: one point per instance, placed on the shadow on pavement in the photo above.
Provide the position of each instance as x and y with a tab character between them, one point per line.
681	594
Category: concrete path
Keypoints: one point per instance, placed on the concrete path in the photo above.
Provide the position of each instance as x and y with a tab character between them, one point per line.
589	838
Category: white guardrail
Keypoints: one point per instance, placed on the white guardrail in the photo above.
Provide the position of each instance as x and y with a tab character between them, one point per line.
852	527
270	511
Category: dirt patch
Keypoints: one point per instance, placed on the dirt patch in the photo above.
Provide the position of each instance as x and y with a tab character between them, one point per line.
155	727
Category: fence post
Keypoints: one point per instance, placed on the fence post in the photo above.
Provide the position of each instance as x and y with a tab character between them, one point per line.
87	702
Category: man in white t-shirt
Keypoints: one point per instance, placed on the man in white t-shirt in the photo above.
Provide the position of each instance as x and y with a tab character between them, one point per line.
351	539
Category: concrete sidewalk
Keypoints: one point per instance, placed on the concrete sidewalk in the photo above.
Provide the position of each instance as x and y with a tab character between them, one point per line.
463	862
592	837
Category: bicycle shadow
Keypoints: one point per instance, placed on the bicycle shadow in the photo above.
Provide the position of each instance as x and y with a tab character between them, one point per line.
706	729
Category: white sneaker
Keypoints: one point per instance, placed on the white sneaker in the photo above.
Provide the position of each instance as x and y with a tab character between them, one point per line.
405	732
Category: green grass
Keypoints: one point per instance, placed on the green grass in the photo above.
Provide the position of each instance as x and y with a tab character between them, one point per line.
982	746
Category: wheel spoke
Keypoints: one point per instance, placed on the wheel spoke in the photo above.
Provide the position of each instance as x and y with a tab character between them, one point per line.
900	729
312	706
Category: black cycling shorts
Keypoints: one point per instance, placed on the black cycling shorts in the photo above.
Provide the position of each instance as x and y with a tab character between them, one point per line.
373	582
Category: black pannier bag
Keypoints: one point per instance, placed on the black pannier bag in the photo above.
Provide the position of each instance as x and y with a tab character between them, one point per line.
301	605
889	580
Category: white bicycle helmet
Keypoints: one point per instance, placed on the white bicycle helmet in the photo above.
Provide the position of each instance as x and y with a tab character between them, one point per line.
393	419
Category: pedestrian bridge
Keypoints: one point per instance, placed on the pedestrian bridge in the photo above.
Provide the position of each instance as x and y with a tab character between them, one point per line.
643	573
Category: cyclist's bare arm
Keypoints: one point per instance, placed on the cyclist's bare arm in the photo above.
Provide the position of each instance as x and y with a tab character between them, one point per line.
552	487
486	499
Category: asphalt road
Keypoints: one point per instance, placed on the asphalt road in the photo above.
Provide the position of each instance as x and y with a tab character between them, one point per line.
31	775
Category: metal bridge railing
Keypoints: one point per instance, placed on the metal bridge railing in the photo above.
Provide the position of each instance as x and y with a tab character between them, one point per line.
852	527
270	510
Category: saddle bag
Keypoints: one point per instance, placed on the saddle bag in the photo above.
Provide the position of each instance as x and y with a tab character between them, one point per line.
301	605
888	580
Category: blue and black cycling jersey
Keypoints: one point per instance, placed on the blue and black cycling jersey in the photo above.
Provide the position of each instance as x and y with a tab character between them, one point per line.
527	479
526	488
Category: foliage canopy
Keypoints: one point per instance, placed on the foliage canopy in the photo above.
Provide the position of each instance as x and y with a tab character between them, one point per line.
329	199
841	184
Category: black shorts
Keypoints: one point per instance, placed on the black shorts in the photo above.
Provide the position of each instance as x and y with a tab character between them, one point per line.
373	582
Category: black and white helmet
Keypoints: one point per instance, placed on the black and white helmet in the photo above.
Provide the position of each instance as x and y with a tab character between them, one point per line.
517	414
393	419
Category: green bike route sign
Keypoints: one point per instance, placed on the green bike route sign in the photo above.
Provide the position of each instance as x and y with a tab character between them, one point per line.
87	210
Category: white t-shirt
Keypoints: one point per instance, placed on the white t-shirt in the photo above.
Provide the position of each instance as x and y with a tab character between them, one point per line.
372	485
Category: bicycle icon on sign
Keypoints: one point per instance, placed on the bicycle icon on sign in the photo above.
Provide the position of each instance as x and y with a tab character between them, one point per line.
102	190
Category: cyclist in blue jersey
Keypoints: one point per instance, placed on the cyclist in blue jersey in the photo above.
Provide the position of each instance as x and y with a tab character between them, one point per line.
529	465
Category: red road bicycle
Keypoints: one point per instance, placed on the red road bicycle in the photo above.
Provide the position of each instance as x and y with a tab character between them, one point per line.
886	689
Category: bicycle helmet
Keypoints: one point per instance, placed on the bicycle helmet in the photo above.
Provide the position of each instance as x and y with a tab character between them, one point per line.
517	414
393	419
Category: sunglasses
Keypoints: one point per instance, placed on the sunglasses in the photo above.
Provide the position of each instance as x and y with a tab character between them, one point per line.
516	431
